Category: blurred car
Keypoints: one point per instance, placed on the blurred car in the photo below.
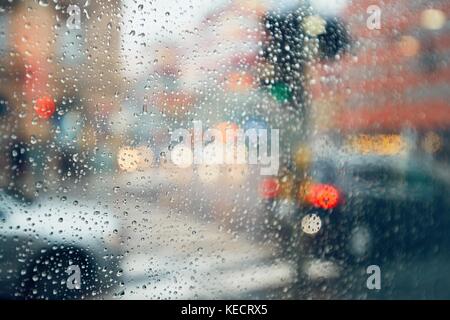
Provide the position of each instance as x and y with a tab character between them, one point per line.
351	210
43	244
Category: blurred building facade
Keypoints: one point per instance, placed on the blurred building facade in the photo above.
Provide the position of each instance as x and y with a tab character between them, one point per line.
395	78
76	68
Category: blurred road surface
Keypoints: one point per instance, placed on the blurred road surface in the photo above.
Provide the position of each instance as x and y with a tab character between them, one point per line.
176	254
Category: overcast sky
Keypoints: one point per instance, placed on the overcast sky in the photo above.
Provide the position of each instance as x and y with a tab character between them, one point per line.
170	20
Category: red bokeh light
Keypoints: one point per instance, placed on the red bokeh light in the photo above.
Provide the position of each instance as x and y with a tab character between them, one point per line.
270	188
323	196
45	107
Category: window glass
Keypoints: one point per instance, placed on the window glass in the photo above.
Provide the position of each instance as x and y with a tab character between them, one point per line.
223	149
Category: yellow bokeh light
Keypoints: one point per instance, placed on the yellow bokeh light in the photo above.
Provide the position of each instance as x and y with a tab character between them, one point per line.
381	144
433	19
128	159
314	25
131	159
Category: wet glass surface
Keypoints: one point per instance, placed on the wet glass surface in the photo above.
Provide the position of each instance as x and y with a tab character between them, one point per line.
224	149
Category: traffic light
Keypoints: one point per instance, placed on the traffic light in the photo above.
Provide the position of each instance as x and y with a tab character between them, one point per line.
292	40
334	40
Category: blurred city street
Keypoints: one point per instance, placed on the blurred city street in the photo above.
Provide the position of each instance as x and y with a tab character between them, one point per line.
234	149
174	253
